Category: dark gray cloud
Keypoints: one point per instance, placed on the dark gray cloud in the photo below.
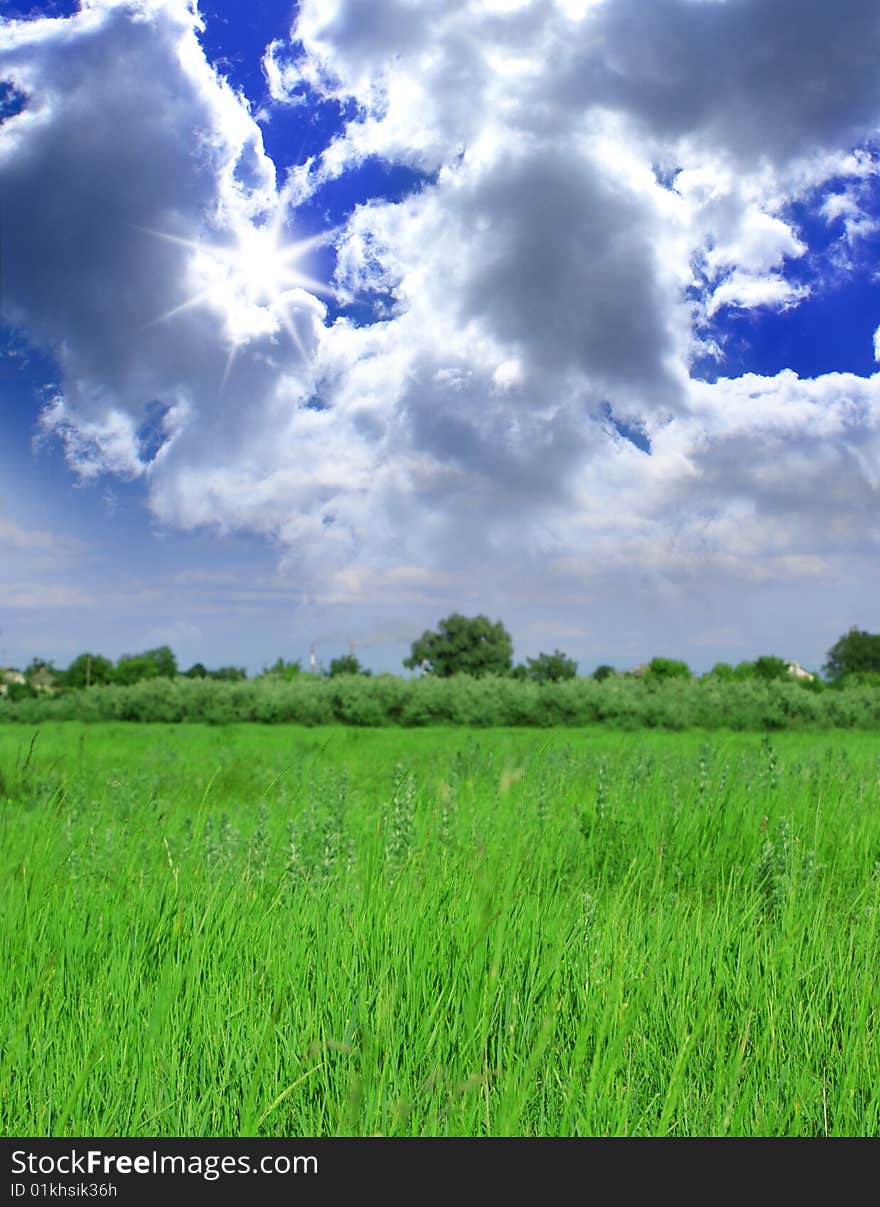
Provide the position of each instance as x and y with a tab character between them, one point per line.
90	164
775	78
566	270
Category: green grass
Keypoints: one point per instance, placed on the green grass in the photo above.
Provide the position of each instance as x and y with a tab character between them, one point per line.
277	931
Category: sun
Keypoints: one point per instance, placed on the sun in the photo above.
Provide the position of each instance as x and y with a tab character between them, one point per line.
258	280
262	268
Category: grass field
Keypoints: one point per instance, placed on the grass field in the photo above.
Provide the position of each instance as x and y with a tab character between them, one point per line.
279	931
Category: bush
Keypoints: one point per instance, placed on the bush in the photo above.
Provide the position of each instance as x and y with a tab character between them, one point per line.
353	703
20	691
282	670
671	703
858	679
156	699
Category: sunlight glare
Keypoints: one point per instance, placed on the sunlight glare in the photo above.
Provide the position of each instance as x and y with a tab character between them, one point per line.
258	282
262	268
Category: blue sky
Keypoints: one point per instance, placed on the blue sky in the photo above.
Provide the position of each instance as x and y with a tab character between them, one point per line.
322	321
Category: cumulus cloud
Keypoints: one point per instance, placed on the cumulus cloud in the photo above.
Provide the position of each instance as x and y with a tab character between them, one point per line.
121	205
758	80
599	182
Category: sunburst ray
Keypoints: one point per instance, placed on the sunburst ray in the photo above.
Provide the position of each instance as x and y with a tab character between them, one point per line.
254	272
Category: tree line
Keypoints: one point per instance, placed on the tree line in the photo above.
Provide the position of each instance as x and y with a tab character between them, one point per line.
460	645
478	646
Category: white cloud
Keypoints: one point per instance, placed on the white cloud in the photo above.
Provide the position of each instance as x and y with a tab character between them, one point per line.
762	243
601	181
851	207
749	292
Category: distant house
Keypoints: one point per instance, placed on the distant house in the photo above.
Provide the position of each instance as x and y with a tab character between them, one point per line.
797	672
43	680
9	676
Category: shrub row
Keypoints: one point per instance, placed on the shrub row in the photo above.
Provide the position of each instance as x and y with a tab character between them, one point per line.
388	700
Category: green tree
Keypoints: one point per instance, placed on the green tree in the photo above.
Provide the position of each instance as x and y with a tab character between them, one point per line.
603	672
723	671
346	664
198	670
132	668
469	645
551	668
743	671
230	674
854	652
769	667
166	663
668	668
88	669
159	663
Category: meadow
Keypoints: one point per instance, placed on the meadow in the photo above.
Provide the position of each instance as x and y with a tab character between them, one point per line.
276	930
